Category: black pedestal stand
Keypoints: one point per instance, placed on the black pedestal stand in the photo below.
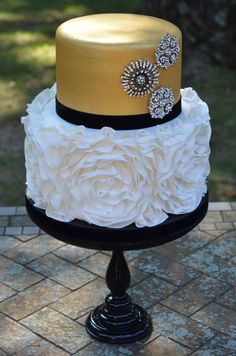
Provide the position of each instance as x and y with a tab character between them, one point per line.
118	320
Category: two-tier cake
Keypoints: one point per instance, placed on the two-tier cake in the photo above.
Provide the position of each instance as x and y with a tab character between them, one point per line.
117	141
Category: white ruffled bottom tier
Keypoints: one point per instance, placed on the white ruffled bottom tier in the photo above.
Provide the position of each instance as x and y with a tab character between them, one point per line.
115	178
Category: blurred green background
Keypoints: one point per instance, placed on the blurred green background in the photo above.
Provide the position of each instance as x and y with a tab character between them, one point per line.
27	65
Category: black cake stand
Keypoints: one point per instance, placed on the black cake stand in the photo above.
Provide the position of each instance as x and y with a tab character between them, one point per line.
118	320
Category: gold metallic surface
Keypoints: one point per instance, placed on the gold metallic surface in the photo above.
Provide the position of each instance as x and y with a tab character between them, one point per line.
92	52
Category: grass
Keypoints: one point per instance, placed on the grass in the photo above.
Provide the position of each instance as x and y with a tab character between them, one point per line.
27	65
12	181
219	91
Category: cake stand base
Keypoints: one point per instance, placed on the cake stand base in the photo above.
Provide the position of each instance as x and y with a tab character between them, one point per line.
119	326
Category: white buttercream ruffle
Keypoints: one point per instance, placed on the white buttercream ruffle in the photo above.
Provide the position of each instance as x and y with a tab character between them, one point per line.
115	178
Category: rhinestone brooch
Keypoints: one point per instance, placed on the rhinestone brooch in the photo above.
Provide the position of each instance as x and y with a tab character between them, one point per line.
139	78
167	51
161	102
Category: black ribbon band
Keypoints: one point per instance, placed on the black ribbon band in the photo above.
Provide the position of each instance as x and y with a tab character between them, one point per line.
121	122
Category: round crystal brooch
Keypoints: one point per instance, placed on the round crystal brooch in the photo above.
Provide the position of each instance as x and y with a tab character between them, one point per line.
161	102
167	51
139	78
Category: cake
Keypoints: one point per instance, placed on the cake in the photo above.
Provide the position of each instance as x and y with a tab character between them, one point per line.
116	141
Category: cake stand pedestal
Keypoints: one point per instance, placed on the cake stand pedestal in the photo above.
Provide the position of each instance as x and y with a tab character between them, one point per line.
118	320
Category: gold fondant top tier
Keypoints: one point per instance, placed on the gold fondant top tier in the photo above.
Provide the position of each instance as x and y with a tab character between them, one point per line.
93	51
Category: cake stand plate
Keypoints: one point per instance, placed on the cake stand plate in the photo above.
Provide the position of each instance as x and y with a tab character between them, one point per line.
118	320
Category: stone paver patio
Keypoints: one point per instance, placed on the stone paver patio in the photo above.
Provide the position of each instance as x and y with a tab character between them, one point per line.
47	288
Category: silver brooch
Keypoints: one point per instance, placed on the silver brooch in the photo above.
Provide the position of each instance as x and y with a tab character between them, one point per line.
139	78
167	51
161	102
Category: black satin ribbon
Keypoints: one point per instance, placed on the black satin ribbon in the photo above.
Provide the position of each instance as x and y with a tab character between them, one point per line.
121	122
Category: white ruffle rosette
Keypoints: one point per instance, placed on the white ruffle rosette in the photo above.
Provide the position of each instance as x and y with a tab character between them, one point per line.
115	178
